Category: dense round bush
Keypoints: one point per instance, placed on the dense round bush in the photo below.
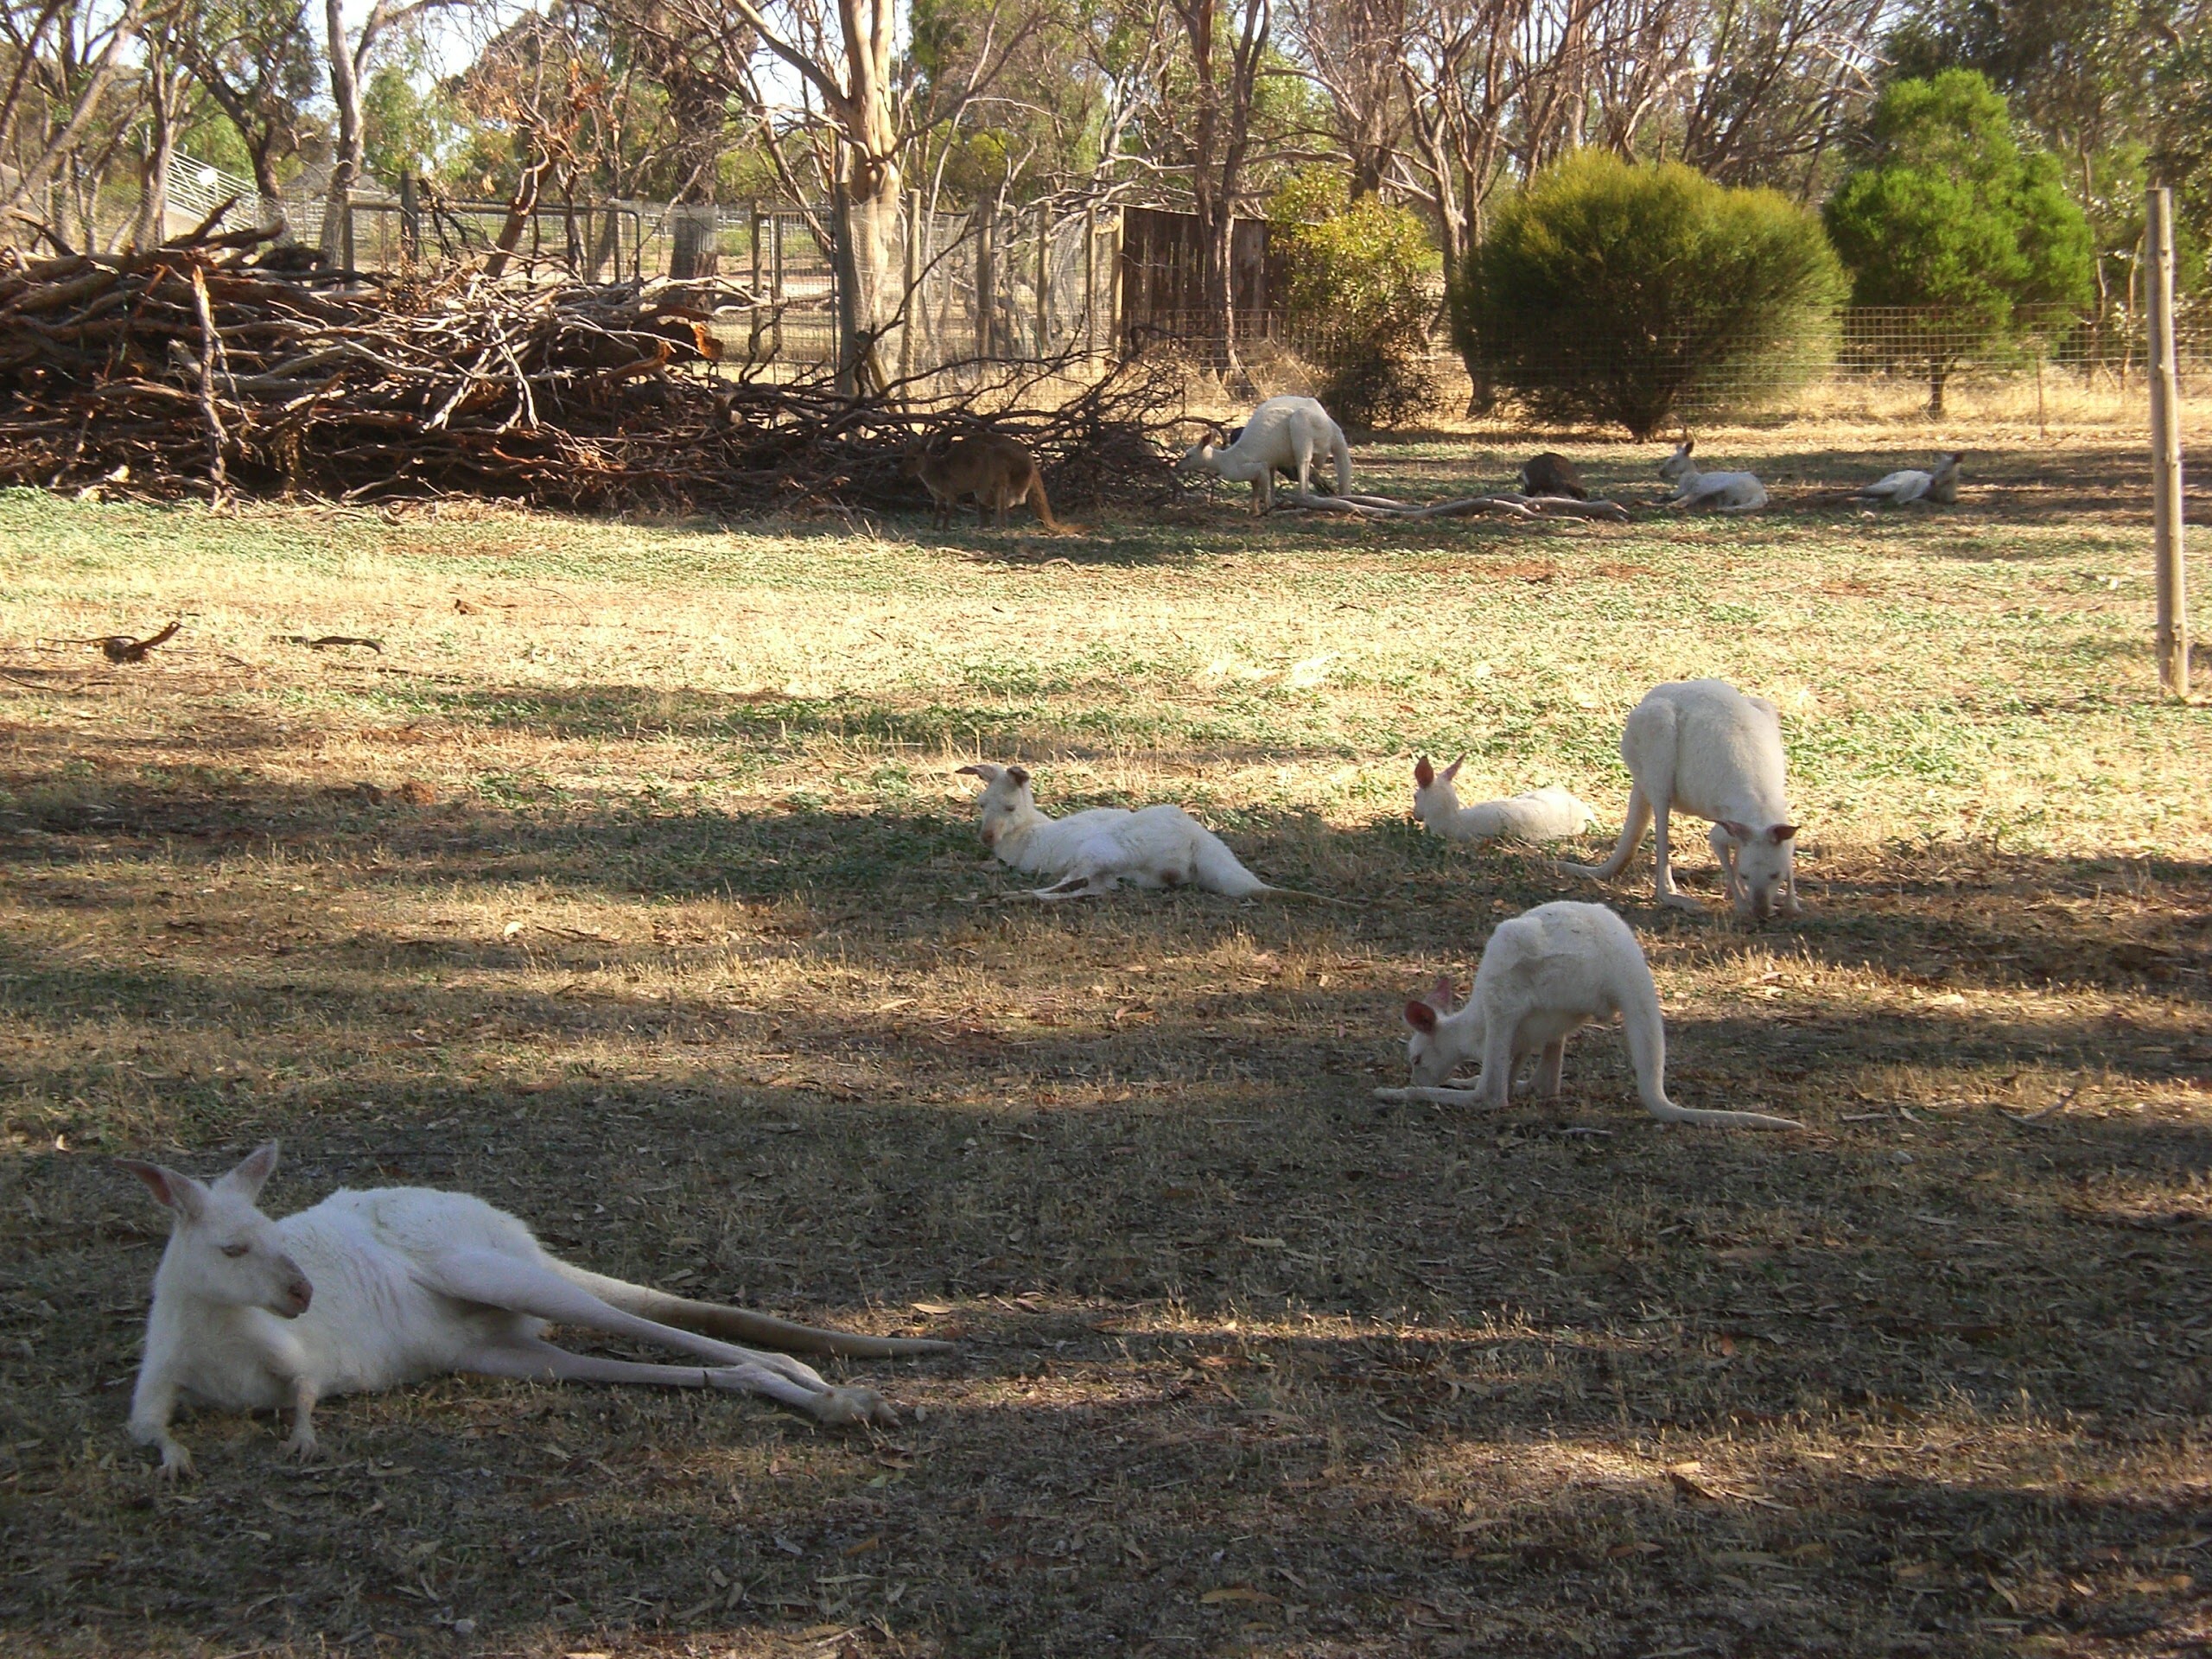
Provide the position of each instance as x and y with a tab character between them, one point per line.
1359	293
1608	291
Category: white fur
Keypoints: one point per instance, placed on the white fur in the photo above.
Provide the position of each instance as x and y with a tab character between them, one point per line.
1286	433
1939	484
375	1290
1544	976
1728	492
1093	852
1547	814
1708	749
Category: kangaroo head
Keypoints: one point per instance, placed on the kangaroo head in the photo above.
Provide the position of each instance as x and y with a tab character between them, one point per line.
1429	1053
222	1248
1763	860
1006	800
1676	466
1433	790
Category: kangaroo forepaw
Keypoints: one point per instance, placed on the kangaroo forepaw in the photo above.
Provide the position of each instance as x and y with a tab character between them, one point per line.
176	1463
302	1445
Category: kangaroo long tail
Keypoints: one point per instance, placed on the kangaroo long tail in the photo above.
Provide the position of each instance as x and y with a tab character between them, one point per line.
1214	867
1311	898
1639	819
1037	500
740	1325
1646	1034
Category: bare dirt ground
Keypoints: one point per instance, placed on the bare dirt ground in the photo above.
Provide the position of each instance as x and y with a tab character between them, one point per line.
627	884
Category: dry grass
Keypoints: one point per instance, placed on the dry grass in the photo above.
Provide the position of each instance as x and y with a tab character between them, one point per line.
628	886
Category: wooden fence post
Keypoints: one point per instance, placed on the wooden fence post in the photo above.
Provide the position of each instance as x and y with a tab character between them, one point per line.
986	277
1091	282
1044	279
410	219
2166	522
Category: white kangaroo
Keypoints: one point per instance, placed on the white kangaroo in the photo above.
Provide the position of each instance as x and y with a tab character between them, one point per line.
1547	814
1544	976
1728	492
1283	432
1940	483
1093	852
378	1289
1708	749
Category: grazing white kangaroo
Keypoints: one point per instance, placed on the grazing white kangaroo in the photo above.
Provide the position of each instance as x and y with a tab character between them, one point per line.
1547	814
1284	433
1093	852
1708	749
1940	484
1728	492
1544	976
378	1289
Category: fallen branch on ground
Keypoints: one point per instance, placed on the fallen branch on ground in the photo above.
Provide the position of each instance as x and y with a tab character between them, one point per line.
1513	505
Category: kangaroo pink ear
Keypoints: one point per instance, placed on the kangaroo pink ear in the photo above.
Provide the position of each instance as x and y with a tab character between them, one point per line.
1440	994
1741	834
175	1191
1782	832
986	773
1420	1016
1453	770
254	1169
1424	774
1017	776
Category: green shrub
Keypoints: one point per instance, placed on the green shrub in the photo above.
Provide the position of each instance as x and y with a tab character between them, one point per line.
1951	212
1357	294
1611	292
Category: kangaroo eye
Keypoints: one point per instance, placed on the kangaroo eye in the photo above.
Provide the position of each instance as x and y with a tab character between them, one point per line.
236	1249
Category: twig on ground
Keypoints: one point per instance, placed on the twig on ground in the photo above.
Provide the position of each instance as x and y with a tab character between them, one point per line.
320	641
122	648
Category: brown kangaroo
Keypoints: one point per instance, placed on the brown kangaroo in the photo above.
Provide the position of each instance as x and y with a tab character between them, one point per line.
998	471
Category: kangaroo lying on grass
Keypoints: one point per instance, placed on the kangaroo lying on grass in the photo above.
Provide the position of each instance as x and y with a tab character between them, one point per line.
1547	814
1940	483
1093	852
1551	474
998	471
375	1290
1708	749
1728	492
1544	976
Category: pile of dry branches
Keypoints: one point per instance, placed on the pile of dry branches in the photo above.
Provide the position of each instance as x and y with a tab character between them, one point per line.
213	364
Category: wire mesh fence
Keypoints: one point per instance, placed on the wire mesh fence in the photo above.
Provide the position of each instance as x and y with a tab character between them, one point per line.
1890	357
1049	281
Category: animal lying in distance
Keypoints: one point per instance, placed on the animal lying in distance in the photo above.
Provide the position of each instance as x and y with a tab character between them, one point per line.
1282	434
1093	852
1551	474
1545	975
1708	749
377	1289
1940	483
998	471
1727	492
1547	814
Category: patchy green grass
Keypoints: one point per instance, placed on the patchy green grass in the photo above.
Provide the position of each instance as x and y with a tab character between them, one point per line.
628	885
